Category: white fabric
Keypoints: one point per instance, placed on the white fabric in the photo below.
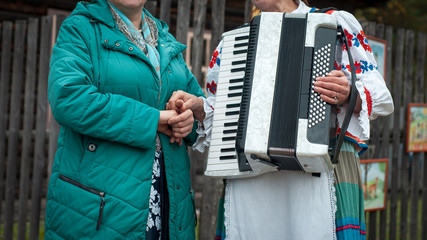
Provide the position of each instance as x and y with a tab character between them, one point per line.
280	205
296	205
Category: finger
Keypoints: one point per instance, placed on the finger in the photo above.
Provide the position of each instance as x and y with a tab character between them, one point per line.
325	91
174	120
175	96
179	104
179	131
184	121
328	99
181	134
182	117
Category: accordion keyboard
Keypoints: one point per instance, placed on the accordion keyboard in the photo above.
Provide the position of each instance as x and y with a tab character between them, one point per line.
222	151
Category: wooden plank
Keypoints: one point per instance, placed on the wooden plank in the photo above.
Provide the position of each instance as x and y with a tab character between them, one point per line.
217	22
248	11
41	115
420	94
407	93
183	21
151	6
4	98
165	9
386	139
197	47
417	97
375	144
14	124
397	94
29	99
54	126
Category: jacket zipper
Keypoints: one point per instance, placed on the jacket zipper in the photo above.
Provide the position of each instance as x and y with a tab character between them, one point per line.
91	190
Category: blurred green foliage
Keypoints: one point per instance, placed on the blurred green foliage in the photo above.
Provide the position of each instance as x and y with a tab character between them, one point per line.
410	14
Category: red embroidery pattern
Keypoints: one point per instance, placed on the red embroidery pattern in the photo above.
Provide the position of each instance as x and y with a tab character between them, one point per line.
349	37
363	41
357	66
212	87
368	100
213	60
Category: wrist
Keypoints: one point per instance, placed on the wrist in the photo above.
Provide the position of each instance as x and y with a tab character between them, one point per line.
199	110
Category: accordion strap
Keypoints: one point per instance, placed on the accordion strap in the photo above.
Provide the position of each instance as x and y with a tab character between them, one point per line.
352	102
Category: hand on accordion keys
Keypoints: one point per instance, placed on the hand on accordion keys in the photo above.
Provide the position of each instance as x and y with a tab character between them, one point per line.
333	88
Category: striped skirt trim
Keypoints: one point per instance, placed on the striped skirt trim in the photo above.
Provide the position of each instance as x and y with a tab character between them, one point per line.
350	215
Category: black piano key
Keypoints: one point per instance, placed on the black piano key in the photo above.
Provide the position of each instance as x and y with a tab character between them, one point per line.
227	157
233	105
232	113
235	87
230	124
228	149
234	94
241	38
240	51
233	70
236	80
240	45
225	139
229	131
238	62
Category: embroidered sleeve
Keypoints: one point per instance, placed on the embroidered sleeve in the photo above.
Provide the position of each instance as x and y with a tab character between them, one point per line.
204	133
376	98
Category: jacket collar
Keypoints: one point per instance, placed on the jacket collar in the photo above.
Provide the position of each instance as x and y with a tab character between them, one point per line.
98	11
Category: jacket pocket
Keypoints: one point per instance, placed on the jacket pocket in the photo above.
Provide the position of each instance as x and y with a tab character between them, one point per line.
90	190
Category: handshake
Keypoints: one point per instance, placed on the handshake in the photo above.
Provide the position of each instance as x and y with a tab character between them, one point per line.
178	118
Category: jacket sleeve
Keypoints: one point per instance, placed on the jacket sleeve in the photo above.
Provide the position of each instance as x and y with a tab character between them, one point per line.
376	98
77	103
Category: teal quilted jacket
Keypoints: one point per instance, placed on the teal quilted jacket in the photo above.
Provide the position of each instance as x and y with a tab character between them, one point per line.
106	96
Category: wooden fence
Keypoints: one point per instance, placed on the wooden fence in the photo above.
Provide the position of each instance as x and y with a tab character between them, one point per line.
28	134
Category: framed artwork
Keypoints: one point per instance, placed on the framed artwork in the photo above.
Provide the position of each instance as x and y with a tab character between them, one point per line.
416	128
374	177
379	49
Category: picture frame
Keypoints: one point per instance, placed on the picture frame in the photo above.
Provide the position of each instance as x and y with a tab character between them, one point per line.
374	178
379	50
416	128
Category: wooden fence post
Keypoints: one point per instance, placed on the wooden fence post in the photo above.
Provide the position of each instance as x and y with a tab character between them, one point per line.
6	58
14	124
407	93
27	137
397	94
165	9
39	145
217	23
183	21
386	137
151	6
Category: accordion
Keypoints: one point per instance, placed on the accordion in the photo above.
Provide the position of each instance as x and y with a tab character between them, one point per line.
267	116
